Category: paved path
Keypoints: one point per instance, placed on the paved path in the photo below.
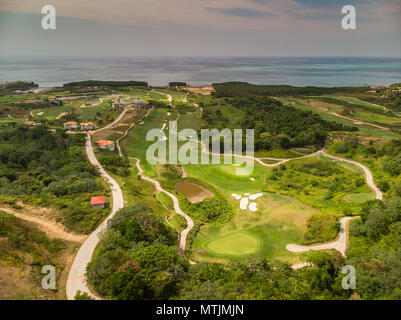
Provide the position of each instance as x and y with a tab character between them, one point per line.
113	123
127	131
368	174
183	235
355	121
169	96
76	278
340	244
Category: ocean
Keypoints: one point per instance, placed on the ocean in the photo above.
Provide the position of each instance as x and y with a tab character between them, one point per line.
297	71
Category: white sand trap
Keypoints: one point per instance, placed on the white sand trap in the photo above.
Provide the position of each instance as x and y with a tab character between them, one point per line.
163	138
243	203
168	114
238	197
234	195
40	113
247	194
236	164
255	196
253	206
252	179
164	125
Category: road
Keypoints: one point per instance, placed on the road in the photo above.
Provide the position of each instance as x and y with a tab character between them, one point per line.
183	235
113	123
51	228
340	244
368	174
127	131
169	96
356	121
76	277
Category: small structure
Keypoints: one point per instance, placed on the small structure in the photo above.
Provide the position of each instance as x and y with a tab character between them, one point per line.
71	125
31	123
17	92
106	145
138	103
116	105
92	101
34	102
54	100
88	126
98	202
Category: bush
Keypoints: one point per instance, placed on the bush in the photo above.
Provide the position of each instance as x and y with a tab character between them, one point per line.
321	228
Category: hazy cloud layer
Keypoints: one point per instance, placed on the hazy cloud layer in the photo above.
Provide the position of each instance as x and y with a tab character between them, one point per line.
207	27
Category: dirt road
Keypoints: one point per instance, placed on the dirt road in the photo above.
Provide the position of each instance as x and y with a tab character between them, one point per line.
76	278
340	244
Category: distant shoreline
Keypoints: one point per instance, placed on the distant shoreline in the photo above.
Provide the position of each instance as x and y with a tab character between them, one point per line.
201	71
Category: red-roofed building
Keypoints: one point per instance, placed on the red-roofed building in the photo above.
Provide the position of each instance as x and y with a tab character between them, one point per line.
98	202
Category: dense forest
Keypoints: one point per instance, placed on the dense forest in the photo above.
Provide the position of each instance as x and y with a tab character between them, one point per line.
241	89
98	83
50	169
276	125
8	88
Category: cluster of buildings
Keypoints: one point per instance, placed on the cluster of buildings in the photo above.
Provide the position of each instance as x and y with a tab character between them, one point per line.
34	102
137	103
396	90
73	125
55	101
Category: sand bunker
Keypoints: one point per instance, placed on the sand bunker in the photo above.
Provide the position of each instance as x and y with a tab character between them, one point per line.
193	191
244	201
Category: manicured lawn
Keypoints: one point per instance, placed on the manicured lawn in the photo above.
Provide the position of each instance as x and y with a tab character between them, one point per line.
136	144
51	113
234	244
265	233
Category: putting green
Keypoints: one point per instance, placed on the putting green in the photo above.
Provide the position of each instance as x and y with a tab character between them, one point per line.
234	244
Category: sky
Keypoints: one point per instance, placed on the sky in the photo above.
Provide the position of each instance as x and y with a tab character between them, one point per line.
201	28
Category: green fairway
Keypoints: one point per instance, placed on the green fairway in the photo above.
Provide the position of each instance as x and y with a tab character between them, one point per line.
359	198
235	244
136	145
363	129
51	113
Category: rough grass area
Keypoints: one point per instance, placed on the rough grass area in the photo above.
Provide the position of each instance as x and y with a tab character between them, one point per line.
24	250
265	233
321	228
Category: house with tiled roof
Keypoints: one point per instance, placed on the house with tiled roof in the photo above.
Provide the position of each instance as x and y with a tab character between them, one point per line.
116	105
31	123
88	126
71	125
106	145
98	202
54	100
138	103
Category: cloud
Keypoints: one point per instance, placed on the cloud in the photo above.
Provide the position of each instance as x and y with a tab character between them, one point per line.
240	12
